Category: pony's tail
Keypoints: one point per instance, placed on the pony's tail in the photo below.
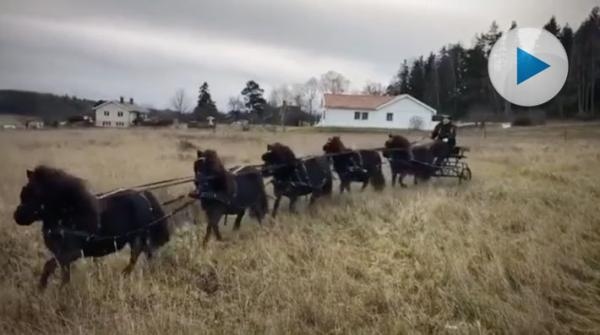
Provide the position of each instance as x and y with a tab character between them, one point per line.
261	207
159	233
377	179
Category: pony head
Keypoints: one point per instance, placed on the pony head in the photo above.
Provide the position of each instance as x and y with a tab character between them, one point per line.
334	145
51	191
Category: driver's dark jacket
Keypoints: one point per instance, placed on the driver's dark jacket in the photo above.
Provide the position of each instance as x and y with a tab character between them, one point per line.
442	130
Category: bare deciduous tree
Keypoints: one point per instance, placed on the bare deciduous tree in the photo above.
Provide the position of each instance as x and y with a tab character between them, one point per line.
179	102
236	103
334	83
373	88
311	93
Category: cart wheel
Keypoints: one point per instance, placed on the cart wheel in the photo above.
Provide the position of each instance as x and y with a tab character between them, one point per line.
465	174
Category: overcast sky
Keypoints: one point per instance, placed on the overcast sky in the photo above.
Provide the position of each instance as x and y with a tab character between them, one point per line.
149	49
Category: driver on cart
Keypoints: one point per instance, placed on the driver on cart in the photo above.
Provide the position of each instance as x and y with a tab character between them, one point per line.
445	131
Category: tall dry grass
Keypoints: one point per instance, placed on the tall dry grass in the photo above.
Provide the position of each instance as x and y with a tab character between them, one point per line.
516	250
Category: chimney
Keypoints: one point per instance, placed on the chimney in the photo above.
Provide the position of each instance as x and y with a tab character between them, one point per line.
121	99
131	101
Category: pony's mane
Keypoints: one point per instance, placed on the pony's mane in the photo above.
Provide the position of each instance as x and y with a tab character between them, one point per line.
283	152
214	163
67	188
335	144
397	141
215	169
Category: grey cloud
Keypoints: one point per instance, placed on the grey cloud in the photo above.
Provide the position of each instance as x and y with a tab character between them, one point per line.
271	41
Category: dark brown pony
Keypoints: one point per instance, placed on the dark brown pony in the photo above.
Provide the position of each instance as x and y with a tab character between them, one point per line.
221	192
418	160
77	224
293	177
399	154
355	165
426	156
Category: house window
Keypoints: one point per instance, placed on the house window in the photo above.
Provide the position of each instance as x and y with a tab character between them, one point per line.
365	116
389	116
106	113
106	123
120	124
120	114
356	115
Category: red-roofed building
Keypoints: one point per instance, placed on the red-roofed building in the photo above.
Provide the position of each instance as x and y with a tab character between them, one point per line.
369	111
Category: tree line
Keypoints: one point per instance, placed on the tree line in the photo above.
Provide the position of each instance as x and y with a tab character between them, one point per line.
301	100
453	80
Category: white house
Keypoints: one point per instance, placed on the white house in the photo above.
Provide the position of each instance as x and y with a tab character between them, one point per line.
118	113
369	111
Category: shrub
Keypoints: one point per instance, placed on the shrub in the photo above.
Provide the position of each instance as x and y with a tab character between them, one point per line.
522	121
416	123
185	145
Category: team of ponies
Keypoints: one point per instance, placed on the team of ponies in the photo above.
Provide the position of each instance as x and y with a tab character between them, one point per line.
76	223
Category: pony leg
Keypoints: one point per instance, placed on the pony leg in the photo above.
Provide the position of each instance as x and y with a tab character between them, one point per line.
293	200
65	265
365	184
217	232
214	216
402	184
66	273
344	185
207	235
49	268
238	220
313	198
136	250
276	206
394	176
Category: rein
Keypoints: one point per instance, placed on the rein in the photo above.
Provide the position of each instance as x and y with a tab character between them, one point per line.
94	238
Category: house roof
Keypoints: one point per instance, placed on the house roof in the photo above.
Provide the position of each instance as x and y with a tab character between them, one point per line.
367	102
123	105
353	101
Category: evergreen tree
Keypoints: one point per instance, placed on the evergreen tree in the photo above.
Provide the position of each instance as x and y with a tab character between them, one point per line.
431	93
552	27
456	80
254	100
400	84
417	79
206	106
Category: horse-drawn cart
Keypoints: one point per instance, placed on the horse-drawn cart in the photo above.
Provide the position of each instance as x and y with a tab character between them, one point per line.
454	166
451	166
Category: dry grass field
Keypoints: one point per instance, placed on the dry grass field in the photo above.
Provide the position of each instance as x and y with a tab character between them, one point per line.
515	251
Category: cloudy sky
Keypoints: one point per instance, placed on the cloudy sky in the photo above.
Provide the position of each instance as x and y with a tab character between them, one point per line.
149	49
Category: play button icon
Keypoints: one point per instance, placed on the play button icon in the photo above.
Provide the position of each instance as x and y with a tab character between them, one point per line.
528	66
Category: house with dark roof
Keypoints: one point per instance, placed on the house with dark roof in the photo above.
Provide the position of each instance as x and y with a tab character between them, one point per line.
370	111
119	114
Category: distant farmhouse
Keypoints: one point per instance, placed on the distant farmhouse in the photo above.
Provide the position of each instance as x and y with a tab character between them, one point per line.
369	111
119	114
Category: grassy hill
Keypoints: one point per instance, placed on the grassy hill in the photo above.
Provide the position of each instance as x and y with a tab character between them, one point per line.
47	106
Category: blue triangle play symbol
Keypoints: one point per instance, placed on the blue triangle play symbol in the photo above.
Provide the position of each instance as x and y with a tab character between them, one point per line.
528	65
